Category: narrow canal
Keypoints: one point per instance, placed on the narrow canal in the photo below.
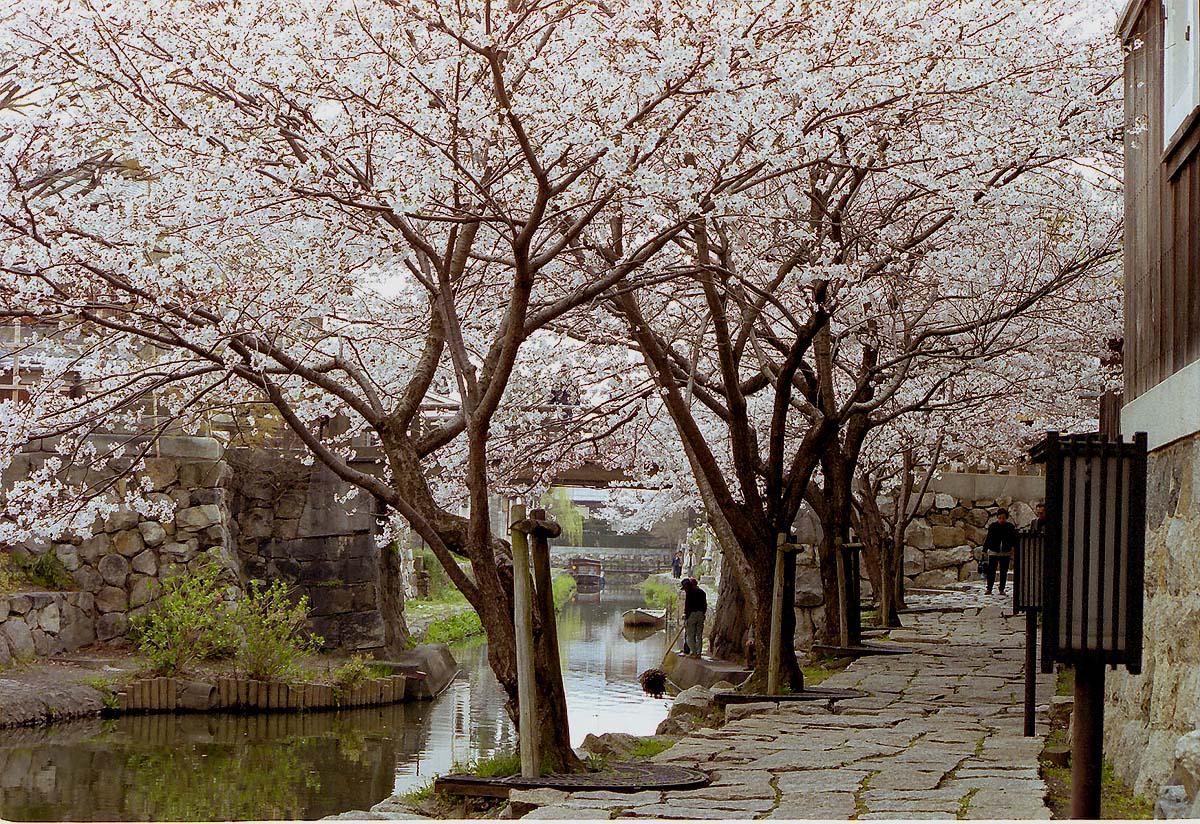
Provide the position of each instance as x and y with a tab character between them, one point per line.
308	765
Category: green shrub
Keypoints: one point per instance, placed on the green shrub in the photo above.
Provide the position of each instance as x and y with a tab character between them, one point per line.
188	624
45	571
271	634
356	671
10	577
564	590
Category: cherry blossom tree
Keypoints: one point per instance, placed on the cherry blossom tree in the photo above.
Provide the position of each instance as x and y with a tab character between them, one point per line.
371	215
935	189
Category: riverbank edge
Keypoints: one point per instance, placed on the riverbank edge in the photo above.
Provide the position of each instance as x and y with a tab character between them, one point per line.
38	694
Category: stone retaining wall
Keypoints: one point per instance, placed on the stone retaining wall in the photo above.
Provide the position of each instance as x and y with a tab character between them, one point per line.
1148	714
302	525
941	544
45	623
272	518
119	568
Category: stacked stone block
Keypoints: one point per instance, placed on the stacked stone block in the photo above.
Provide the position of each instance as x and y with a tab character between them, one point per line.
1149	714
257	514
44	623
942	545
299	523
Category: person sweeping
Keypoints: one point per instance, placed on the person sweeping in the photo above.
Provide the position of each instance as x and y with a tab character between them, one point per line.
695	607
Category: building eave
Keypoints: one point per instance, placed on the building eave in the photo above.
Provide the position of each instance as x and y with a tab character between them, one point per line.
1130	13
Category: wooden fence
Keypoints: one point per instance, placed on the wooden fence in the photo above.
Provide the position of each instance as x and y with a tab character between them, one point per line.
176	694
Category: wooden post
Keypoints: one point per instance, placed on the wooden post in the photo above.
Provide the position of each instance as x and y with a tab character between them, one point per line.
523	624
1087	740
843	575
773	655
539	555
1030	670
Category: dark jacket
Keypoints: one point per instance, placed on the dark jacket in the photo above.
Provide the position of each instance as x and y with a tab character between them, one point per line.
1001	538
694	600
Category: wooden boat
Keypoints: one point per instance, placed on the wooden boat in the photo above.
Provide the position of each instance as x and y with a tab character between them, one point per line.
639	617
588	574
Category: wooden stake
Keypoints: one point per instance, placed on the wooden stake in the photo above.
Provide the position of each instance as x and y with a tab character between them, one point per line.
843	576
773	655
522	619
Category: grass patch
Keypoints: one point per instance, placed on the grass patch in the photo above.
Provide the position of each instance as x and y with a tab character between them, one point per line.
1117	799
454	628
1064	682
564	587
660	595
419	795
41	572
964	803
107	688
650	747
497	765
822	667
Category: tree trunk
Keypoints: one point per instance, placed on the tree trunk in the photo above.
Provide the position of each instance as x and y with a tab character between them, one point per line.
790	675
831	632
391	601
730	634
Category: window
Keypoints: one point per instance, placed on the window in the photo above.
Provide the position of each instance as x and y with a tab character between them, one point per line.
1181	64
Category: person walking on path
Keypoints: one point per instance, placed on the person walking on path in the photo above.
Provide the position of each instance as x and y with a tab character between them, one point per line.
695	606
1001	540
677	564
1038	527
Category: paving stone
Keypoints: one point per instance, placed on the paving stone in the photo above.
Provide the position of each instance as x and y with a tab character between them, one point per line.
942	724
907	815
900	778
624	799
812	781
826	805
570	813
871	794
948	809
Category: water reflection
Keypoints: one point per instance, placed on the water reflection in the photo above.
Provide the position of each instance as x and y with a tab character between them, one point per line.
212	767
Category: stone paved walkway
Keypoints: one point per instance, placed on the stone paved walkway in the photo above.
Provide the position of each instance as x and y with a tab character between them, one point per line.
939	738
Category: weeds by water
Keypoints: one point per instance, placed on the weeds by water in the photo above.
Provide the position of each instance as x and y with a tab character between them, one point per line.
465	623
660	594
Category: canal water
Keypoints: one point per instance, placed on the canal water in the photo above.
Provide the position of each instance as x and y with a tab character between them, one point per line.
209	767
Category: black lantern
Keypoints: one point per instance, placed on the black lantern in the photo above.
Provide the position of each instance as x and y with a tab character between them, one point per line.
1027	572
1028	562
1092	574
1094	549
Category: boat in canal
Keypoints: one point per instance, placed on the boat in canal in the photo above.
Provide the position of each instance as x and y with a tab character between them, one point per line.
638	617
588	574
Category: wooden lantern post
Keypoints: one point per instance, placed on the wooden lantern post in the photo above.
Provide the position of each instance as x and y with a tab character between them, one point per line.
1092	577
1027	598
